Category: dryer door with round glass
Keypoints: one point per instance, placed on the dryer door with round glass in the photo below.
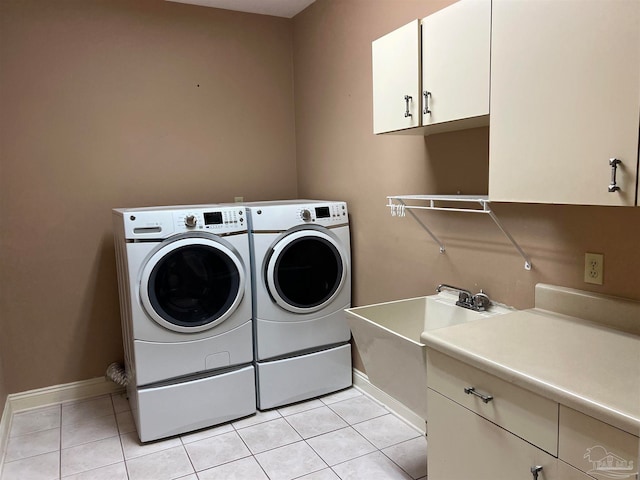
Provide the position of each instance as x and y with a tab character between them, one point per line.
192	284
306	271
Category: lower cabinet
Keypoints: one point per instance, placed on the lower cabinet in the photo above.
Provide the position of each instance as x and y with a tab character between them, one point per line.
463	444
481	427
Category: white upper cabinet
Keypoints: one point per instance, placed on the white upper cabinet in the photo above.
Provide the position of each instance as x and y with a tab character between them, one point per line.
455	62
447	54
396	79
565	99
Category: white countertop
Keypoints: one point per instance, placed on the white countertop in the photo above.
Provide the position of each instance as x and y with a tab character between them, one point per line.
583	365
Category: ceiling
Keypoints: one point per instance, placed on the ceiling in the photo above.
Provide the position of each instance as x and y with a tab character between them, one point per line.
277	8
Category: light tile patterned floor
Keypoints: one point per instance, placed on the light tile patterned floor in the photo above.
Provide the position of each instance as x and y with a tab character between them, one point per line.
345	435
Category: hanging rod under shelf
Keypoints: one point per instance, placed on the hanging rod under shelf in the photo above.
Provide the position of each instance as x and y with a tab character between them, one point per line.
478	204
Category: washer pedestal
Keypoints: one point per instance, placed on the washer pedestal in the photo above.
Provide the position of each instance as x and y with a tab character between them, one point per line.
163	411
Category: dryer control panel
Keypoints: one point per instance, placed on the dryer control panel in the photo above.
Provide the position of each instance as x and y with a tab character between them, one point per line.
280	216
324	213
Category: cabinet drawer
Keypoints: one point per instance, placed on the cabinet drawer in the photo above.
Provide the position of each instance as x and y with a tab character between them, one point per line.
596	447
526	414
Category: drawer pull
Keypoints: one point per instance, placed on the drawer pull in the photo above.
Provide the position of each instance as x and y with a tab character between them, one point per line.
535	471
472	391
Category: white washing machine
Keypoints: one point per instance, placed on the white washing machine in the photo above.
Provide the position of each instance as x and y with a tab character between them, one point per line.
185	301
301	265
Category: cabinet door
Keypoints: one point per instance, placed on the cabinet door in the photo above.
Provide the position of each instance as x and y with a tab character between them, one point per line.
462	444
396	79
565	98
596	447
456	42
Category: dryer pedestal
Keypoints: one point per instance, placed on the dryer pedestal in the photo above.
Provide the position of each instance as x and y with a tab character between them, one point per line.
301	264
289	380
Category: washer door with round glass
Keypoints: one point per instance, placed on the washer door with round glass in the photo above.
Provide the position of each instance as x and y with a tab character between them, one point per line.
192	284
305	272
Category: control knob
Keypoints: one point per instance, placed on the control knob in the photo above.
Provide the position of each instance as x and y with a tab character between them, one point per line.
190	221
306	215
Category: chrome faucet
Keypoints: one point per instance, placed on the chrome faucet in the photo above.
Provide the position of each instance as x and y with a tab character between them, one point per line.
464	296
478	302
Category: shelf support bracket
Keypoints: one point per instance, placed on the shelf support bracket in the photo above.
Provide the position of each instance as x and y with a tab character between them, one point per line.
421	223
431	199
527	261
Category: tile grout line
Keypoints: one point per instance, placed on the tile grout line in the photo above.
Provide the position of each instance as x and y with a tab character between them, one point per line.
247	446
350	425
124	460
184	447
235	430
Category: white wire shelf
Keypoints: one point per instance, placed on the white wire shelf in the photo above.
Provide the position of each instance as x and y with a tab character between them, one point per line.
469	204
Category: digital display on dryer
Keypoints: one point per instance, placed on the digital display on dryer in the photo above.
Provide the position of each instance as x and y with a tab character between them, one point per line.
212	218
322	212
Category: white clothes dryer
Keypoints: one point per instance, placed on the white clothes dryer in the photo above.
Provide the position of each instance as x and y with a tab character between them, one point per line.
185	302
301	264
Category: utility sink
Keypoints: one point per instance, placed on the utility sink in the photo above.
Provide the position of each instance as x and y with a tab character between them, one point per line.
388	339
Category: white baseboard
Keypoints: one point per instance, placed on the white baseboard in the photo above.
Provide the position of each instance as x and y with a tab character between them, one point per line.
5	427
361	381
41	397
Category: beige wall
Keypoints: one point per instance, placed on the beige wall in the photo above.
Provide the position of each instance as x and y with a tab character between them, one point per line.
121	103
339	157
129	103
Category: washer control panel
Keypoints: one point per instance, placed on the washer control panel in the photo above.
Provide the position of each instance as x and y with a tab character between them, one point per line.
156	223
219	220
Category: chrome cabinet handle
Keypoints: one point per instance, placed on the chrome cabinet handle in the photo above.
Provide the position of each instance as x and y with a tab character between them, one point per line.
614	162
407	99
426	95
535	471
472	391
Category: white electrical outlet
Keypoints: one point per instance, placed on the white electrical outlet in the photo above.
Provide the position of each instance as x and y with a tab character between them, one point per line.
594	268
238	199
